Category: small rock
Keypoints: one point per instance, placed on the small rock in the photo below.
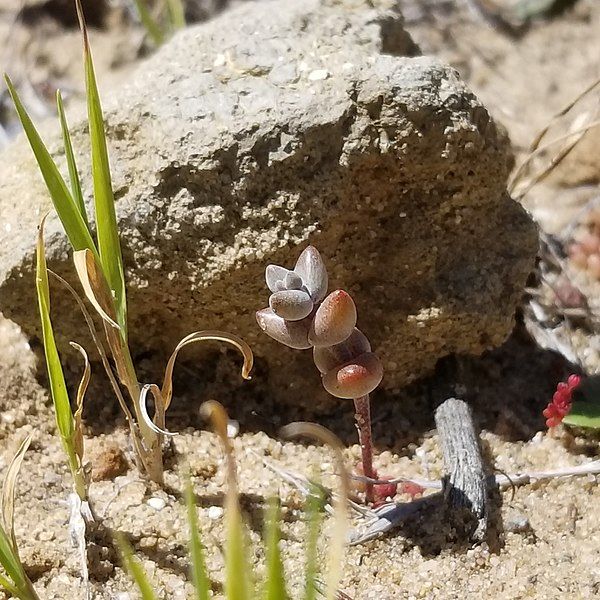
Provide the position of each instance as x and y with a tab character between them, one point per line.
517	523
107	459
156	503
318	75
215	512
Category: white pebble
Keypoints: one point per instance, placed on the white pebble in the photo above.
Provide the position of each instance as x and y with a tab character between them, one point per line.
215	512
156	503
318	74
233	428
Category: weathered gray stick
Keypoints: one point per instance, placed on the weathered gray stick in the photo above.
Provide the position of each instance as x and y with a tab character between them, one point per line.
465	485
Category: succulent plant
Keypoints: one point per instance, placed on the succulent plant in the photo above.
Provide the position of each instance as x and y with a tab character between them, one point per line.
302	315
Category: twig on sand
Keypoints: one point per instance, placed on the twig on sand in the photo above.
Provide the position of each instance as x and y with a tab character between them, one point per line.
379	522
465	485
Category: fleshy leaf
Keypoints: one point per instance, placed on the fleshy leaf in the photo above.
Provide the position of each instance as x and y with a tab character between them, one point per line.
357	378
273	275
329	357
584	414
292	305
291	333
311	268
334	320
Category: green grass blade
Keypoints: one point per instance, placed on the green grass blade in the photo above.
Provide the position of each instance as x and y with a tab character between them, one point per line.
66	207
238	582
58	387
104	202
198	566
135	569
8	586
274	587
150	25
176	13
9	561
314	506
72	165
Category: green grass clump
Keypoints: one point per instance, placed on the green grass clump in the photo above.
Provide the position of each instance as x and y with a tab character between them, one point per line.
13	578
99	266
241	583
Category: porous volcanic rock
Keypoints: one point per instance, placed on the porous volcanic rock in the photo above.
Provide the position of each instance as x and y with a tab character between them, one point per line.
273	126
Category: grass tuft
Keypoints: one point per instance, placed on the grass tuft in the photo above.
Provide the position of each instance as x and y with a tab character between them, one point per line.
69	425
13	578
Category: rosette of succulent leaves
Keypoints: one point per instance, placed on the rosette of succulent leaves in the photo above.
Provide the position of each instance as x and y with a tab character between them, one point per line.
302	315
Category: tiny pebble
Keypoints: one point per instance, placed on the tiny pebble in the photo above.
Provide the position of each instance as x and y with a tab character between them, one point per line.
215	512
233	428
156	503
318	74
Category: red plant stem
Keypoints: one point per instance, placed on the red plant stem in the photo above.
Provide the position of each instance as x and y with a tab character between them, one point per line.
362	408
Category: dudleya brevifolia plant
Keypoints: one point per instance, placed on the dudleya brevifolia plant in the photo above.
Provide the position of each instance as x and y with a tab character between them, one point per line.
301	315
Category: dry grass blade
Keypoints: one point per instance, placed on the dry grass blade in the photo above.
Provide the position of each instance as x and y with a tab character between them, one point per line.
95	286
516	177
341	521
99	346
202	336
109	246
8	489
238	579
81	390
14	579
571	139
561	113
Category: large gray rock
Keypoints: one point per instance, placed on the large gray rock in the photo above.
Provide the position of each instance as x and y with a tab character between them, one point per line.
276	125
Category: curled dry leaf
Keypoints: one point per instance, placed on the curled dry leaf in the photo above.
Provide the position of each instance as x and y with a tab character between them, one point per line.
327	358
158	424
204	336
357	378
7	509
81	390
334	320
99	346
291	333
292	305
311	268
95	286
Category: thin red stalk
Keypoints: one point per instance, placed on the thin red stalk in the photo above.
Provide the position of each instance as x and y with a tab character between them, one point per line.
362	415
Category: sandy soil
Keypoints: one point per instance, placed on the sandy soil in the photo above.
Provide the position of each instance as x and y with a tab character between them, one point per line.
545	538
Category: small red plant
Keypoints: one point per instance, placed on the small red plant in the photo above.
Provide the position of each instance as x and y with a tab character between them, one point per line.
562	401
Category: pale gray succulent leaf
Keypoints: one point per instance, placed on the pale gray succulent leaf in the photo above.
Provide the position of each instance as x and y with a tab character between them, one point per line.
291	333
274	274
311	268
292	281
292	305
